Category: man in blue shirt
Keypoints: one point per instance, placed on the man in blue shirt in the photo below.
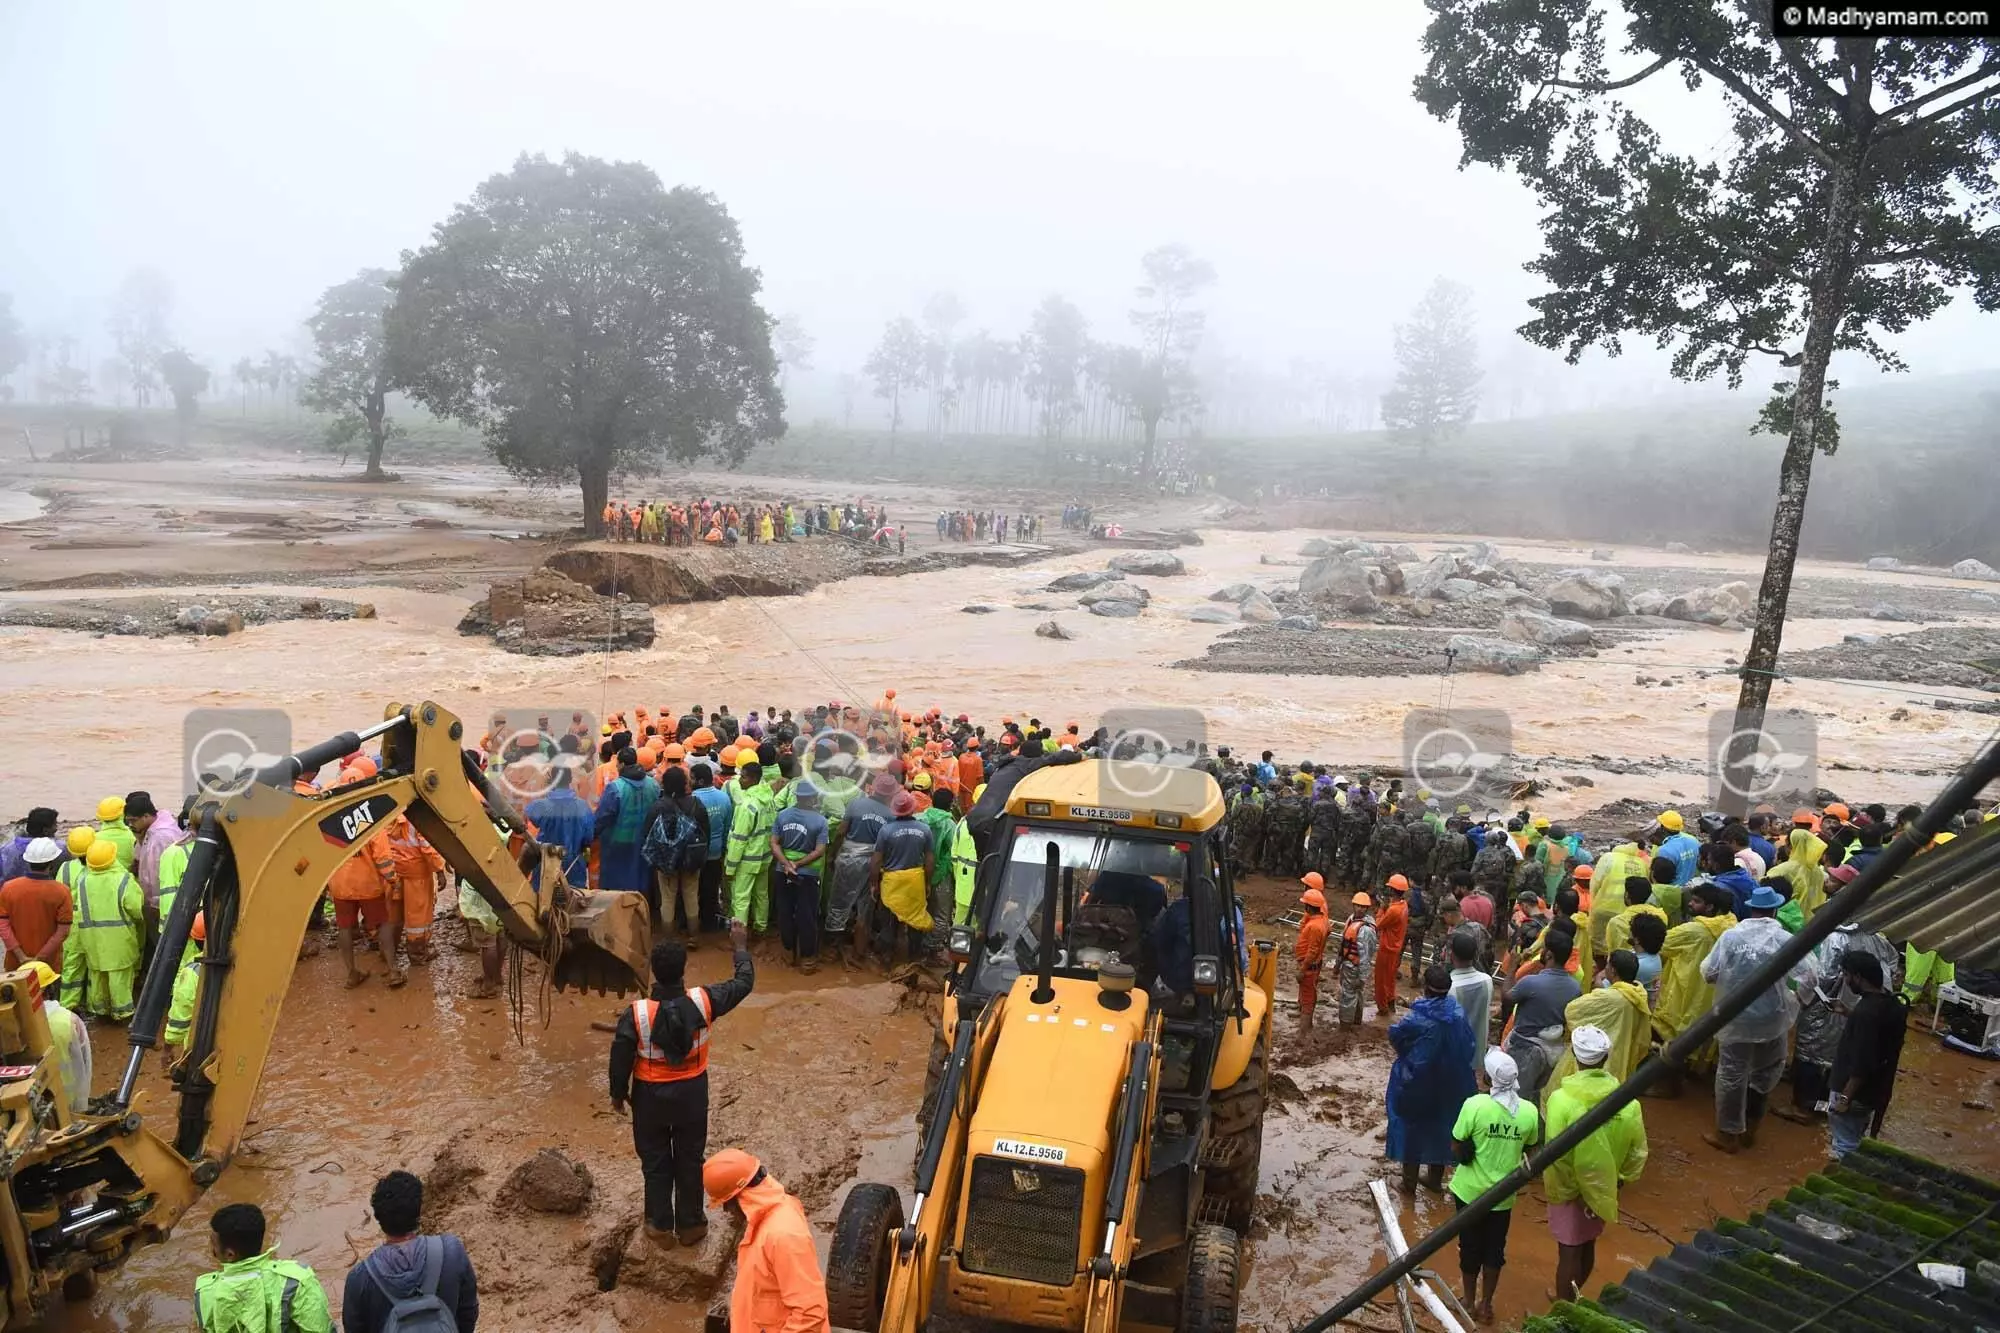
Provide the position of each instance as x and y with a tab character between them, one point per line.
1679	845
1759	825
565	819
798	848
721	811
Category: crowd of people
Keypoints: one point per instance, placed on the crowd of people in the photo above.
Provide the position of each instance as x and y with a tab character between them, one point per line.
725	522
964	525
1550	972
1544	970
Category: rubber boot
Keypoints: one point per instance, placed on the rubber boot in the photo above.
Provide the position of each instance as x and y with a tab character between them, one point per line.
660	1236
692	1236
1723	1142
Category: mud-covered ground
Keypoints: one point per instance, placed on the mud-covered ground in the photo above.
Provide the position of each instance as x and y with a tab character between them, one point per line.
159	616
1961	656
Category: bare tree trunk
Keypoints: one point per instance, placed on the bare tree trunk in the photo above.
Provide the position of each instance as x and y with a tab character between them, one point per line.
594	471
1146	450
1828	303
376	413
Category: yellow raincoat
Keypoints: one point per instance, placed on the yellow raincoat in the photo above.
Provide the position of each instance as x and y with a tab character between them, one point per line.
1804	866
1612	1156
1618	933
1607	893
1684	996
1620	1009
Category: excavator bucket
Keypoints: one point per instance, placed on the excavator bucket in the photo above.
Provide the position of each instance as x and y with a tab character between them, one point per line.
610	940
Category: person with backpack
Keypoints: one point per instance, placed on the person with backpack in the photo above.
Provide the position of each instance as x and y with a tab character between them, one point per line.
254	1292
721	813
676	845
621	827
412	1283
659	1063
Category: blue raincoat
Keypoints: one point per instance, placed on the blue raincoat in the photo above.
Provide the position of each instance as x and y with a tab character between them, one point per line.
1431	1079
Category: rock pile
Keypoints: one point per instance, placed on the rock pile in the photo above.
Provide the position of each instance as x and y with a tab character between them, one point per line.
548	615
1975	569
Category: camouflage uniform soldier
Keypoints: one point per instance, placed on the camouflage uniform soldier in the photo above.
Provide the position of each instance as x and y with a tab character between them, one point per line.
1423	903
1246	831
1493	869
1387	847
1325	826
1284	839
1357	823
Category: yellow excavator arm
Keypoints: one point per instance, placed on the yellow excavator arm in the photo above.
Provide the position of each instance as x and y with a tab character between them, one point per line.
83	1191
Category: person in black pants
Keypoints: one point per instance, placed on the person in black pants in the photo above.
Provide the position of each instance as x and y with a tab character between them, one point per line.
659	1063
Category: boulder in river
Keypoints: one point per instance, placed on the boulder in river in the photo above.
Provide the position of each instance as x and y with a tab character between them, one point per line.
1340	585
1884	562
1704	606
979	609
218	623
1085	579
1295	623
1258	609
189	618
1601	554
1118	610
1975	569
1586	594
1052	629
1156	563
1497	656
1116	592
1679	548
1232	592
1523	626
1456	590
1214	615
1648	602
549	614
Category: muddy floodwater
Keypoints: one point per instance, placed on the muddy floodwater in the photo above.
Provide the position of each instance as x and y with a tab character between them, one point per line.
822	1076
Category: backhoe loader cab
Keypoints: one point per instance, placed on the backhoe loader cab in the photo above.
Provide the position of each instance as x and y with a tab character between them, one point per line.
1090	1132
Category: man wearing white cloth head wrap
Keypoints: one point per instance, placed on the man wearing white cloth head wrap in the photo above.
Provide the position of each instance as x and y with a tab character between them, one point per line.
1582	1185
1494	1131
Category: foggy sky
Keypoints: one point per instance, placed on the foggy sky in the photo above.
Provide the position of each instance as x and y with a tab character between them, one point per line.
873	152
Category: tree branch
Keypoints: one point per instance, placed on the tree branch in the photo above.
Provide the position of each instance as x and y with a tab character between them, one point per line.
1755	254
1945	112
1821	90
1613	86
1985	71
1729	80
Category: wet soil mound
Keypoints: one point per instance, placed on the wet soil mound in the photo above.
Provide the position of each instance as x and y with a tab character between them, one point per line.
548	615
159	617
548	1182
665	575
1338	651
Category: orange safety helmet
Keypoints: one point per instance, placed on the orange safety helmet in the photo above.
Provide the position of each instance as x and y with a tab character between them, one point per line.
702	737
1803	818
724	1175
1312	879
1837	811
1582	872
199	930
1314	898
1399	883
675	751
1361	900
729	753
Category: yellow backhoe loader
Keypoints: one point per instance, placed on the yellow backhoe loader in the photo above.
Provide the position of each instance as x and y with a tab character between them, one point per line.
1090	1135
82	1191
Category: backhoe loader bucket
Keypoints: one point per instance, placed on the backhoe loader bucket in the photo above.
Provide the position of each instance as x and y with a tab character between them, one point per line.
610	940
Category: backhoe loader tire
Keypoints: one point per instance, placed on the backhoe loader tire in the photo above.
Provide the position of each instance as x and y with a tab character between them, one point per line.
1236	1115
1209	1296
857	1262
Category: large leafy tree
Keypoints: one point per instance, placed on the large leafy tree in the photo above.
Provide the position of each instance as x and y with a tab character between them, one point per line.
1852	196
1437	369
186	380
140	309
1057	344
13	343
896	365
1155	378
587	320
352	383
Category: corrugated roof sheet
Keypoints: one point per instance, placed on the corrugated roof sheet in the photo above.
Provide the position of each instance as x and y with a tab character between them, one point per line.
1816	1250
1947	899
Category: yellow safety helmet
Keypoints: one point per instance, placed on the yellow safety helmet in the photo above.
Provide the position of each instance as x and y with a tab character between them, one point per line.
44	974
111	807
80	839
103	854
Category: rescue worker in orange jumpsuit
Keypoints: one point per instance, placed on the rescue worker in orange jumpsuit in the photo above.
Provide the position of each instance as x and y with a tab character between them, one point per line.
1392	927
1310	951
778	1284
659	1063
420	872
